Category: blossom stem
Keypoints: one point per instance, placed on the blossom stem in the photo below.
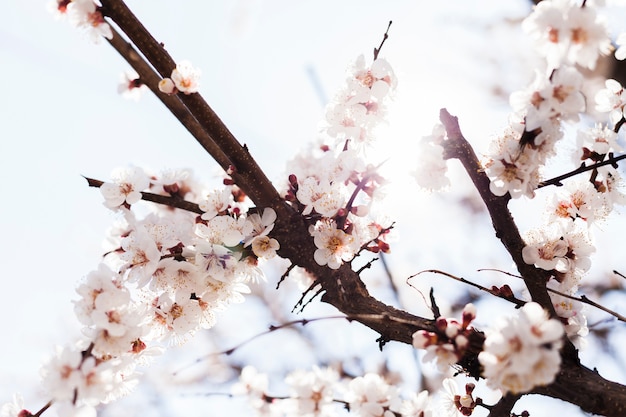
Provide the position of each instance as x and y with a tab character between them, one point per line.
582	298
159	199
583	168
43	409
456	146
385	36
512	299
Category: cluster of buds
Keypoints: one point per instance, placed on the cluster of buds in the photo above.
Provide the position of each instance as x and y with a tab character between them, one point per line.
466	403
448	344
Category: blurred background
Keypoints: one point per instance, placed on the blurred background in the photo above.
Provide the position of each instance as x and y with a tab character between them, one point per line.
268	69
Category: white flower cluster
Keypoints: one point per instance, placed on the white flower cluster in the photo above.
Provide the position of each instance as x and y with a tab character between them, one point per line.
431	172
322	393
567	34
522	351
516	157
84	14
564	245
168	274
448	345
185	78
334	186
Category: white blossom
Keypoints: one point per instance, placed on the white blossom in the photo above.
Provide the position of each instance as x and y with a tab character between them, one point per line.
522	352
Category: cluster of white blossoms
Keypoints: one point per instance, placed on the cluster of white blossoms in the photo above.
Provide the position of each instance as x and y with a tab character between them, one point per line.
523	351
448	345
568	32
85	15
431	172
334	186
569	35
322	392
185	78
168	274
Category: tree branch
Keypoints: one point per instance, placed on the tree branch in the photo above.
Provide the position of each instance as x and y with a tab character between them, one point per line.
504	407
583	168
250	178
342	287
456	146
574	383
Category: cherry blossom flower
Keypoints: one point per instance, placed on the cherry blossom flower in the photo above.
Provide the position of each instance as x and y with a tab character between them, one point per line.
371	396
141	254
522	351
58	7
185	77
611	100
265	247
85	14
432	169
510	167
334	246
260	226
379	78
549	98
563	248
167	86
620	53
564	32
15	408
254	385
578	199
126	187
130	86
313	391
418	405
599	139
324	197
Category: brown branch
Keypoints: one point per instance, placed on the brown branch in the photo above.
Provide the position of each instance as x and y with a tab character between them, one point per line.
583	168
512	298
503	407
150	78
456	146
574	383
157	198
385	36
247	174
343	287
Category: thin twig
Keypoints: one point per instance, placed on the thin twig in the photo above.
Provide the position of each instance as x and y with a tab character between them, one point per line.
583	168
512	299
157	198
583	298
385	36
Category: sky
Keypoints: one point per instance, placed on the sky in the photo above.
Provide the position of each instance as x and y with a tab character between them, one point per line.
268	69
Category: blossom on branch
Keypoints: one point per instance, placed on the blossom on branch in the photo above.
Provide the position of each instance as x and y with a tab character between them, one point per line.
432	169
522	352
85	14
184	78
448	345
334	246
566	32
126	187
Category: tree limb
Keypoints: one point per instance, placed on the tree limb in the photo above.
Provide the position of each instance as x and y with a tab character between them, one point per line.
343	287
